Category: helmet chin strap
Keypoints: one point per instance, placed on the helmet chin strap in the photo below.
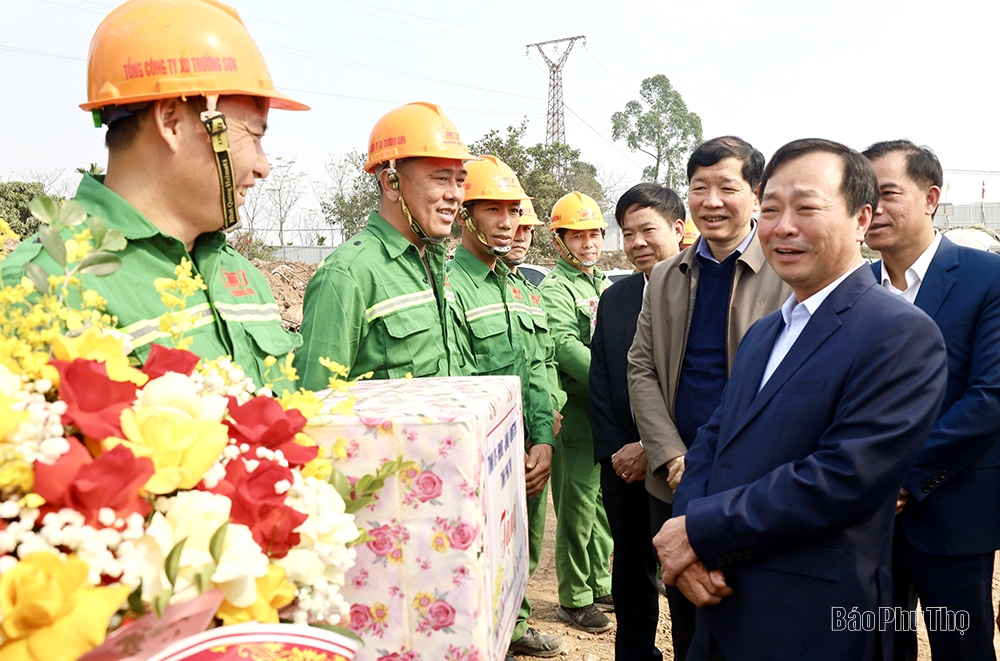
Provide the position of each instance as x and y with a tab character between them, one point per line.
414	226
215	124
570	257
497	251
510	261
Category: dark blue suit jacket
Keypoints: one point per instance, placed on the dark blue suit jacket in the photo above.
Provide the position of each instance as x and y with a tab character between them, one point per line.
610	411
792	490
954	506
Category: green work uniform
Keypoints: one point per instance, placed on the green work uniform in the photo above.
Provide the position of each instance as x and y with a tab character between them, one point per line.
583	538
495	340
235	316
375	305
527	305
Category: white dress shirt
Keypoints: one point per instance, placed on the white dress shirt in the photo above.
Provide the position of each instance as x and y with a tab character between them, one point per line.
796	316
915	274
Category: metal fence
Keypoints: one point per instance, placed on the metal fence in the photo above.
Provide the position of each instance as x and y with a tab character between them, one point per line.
962	215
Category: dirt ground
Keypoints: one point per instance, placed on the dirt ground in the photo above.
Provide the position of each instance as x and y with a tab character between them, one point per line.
542	592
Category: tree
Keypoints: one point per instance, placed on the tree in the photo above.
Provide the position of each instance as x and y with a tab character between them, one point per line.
349	194
665	130
14	199
284	189
509	148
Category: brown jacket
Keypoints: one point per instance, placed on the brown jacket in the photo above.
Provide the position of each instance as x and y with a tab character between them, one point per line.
657	353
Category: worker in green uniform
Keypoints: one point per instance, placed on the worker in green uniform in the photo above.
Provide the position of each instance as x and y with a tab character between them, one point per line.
181	157
525	305
379	302
570	293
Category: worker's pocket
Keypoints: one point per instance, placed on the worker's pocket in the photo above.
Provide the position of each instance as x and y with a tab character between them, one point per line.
266	340
415	344
491	346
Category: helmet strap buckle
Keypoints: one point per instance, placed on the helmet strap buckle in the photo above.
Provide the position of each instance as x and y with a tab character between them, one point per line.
215	124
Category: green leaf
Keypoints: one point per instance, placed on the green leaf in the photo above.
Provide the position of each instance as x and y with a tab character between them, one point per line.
203	579
340	483
160	602
346	633
113	241
44	209
358	504
135	601
173	562
72	214
53	244
97	230
218	538
363	484
38	277
100	264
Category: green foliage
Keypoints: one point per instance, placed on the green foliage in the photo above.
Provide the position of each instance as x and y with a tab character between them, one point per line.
14	199
363	493
94	169
252	246
350	194
664	129
509	148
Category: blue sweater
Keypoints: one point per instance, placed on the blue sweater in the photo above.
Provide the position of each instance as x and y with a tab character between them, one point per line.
705	369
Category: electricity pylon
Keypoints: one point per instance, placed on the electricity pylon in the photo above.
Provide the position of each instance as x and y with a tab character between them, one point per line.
555	124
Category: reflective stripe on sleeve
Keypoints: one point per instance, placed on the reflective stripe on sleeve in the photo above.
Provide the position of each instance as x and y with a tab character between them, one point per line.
484	311
249	311
399	303
146	331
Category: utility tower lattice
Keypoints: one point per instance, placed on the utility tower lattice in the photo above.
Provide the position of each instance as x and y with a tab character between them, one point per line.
555	125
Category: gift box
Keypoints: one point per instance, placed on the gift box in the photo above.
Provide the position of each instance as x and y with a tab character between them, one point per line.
445	567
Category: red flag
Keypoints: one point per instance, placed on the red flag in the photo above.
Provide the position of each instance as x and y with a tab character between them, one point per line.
984	189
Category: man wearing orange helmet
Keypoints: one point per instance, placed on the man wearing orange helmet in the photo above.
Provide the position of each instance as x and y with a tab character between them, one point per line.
184	147
379	303
498	342
570	293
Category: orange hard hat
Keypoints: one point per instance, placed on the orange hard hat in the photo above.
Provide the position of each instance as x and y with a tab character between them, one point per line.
690	233
491	179
418	129
159	49
576	211
528	215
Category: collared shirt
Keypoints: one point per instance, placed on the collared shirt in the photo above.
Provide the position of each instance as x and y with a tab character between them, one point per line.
796	316
235	315
915	274
375	305
706	252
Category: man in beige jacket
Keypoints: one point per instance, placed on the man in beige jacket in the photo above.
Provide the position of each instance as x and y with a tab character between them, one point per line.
696	308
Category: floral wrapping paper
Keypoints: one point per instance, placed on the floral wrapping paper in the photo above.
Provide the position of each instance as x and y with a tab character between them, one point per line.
445	568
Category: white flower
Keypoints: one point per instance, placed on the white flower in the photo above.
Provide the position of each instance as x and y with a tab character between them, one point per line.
194	516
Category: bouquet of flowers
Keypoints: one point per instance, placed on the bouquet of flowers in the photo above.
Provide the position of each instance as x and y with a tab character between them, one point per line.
124	490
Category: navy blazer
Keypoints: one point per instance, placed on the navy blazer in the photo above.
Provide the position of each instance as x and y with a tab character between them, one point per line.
792	490
610	410
954	505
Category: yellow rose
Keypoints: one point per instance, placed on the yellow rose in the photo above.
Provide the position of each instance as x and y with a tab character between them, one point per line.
181	447
274	592
50	612
95	344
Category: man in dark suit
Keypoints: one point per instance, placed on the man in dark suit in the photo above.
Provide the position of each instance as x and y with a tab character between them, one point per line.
651	217
783	521
949	523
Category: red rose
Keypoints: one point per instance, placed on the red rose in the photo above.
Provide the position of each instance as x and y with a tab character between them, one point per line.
94	402
258	506
440	614
380	541
86	485
163	359
262	422
361	618
390	657
462	536
428	486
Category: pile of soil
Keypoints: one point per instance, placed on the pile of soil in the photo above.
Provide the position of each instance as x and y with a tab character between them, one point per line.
288	281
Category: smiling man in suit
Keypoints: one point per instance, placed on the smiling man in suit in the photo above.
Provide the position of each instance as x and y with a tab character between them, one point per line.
947	530
786	509
651	217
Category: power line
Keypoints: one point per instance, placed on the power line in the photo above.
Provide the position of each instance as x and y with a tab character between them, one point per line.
327	58
606	70
370	38
599	135
26	51
599	92
59	4
977	172
386	18
398	102
477	28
